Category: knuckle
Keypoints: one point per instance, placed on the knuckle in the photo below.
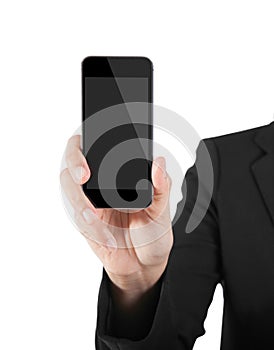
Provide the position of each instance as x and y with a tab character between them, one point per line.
73	140
70	155
76	201
63	175
78	220
72	147
74	158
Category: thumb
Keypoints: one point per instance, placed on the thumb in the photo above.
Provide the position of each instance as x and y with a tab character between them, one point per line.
161	182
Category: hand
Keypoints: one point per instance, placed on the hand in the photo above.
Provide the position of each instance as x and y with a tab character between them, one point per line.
133	246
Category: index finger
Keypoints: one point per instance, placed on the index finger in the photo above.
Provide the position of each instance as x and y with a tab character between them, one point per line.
76	162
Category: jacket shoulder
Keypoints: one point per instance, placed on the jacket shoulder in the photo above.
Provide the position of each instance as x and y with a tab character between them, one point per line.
238	142
236	137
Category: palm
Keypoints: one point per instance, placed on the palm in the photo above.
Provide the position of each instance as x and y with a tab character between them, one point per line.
137	248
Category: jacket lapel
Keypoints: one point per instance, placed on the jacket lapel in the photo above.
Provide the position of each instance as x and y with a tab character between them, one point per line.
263	168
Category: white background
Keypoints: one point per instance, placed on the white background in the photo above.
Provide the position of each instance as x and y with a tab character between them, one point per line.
213	64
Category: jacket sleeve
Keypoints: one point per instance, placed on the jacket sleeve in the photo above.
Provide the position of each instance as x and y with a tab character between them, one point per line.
192	273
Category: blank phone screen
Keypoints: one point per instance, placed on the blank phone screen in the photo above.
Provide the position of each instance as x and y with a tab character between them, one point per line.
111	147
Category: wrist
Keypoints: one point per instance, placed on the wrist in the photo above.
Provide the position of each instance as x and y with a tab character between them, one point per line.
140	280
132	288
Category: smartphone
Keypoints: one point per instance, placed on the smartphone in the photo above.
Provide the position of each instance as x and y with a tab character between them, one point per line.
117	132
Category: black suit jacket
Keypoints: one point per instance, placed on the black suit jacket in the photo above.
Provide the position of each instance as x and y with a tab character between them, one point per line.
233	245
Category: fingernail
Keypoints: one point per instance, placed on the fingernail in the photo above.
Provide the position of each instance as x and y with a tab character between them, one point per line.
89	216
111	243
79	173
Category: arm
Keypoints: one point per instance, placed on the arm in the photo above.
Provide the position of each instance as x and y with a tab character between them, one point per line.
133	311
180	301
